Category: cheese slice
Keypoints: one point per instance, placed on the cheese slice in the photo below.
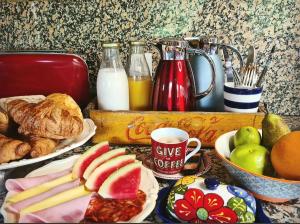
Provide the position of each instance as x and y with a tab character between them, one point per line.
56	200
31	192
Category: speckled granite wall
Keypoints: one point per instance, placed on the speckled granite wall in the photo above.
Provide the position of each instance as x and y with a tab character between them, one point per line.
80	25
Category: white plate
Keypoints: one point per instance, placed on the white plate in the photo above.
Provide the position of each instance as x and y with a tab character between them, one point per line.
149	185
89	129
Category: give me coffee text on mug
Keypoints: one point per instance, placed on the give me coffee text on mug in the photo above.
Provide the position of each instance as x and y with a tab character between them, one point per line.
169	149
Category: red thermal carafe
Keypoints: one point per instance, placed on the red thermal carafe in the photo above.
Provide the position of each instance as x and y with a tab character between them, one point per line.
173	87
174	84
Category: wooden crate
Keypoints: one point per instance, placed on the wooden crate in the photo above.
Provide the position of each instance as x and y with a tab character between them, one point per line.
134	127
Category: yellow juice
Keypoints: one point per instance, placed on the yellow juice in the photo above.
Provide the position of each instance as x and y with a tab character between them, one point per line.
140	89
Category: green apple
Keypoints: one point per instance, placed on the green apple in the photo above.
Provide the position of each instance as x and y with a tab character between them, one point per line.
251	157
246	135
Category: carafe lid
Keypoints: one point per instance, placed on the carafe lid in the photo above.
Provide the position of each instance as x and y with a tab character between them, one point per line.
176	42
173	48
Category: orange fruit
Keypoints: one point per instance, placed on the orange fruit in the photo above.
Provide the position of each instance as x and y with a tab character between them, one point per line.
285	156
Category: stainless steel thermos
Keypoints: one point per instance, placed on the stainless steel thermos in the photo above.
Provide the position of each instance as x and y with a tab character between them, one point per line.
214	101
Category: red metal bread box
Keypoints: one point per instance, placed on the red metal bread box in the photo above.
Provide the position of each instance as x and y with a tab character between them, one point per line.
35	73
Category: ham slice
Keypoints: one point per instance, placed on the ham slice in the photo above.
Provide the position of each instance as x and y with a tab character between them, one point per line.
21	184
71	211
16	207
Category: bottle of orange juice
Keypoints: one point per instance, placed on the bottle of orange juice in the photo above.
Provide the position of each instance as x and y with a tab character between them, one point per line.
139	79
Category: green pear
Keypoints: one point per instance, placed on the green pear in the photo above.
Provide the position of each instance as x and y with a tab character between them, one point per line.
273	128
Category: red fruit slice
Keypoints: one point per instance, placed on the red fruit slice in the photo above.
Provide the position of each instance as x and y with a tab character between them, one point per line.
86	158
101	159
123	183
99	175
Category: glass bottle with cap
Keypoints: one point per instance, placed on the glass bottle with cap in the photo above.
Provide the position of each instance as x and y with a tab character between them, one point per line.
112	82
140	83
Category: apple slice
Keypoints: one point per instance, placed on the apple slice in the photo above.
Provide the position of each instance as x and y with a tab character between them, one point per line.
100	174
86	158
101	159
123	183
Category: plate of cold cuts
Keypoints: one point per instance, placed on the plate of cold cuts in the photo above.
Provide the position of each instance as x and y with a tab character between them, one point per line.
53	193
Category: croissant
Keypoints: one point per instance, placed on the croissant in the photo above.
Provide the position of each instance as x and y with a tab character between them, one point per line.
66	102
12	149
41	146
4	122
44	119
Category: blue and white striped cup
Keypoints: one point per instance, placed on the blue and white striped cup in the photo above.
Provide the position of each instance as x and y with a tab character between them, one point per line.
242	100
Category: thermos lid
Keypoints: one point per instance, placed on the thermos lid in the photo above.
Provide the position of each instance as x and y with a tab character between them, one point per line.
193	41
207	42
111	45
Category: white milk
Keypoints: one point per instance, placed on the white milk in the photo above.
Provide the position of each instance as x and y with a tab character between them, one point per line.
112	89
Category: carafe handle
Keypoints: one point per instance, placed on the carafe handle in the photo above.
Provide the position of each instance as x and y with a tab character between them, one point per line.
213	74
155	46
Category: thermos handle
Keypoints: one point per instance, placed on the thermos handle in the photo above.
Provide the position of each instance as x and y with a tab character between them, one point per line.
235	51
213	74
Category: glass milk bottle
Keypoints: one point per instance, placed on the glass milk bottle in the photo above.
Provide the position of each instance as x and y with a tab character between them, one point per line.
140	83
112	82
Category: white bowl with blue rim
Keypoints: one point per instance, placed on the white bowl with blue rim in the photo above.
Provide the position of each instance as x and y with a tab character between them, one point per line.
241	99
263	187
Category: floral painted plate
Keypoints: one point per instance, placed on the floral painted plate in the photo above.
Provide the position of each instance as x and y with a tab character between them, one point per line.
163	214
